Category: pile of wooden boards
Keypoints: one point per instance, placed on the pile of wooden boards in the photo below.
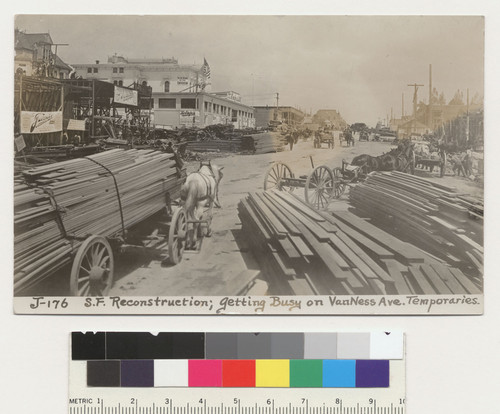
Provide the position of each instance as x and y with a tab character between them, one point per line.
56	206
305	252
263	143
432	216
216	145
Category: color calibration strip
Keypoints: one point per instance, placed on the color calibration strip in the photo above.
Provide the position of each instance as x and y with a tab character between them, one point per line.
271	373
278	360
238	346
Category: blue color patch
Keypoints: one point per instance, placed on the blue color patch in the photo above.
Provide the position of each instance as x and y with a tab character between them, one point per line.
339	373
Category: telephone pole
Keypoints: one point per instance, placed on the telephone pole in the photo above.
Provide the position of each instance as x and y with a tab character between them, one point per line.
415	86
277	105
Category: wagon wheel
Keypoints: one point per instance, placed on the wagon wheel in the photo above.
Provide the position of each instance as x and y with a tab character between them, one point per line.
338	183
276	176
177	236
92	270
443	165
319	187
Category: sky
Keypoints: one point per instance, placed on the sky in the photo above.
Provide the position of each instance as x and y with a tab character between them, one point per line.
359	66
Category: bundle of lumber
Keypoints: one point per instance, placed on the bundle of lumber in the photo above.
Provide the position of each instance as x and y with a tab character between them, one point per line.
305	252
216	145
432	216
263	143
58	205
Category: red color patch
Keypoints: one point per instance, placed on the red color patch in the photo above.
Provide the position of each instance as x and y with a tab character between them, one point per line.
238	373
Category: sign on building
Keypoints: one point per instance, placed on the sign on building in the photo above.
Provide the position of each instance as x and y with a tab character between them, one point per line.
125	96
41	122
76	125
182	80
189	117
20	144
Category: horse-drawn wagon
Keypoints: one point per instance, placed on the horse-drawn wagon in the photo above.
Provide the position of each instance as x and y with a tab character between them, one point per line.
324	183
425	159
321	138
83	211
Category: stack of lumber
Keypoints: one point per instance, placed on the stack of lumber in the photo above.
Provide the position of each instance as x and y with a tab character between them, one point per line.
56	206
263	143
216	145
305	252
432	216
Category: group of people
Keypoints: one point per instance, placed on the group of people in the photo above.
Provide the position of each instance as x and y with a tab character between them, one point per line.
462	163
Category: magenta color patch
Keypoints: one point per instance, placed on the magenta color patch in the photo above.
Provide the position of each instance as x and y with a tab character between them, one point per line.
205	373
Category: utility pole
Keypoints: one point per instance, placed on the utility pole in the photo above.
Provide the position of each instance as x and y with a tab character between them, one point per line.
277	104
430	98
468	122
415	86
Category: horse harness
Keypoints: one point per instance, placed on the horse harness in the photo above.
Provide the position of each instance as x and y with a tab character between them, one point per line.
208	183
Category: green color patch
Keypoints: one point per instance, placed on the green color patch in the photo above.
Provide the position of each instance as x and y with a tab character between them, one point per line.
306	373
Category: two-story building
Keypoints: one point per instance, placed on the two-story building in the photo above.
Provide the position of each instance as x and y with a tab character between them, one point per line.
181	93
35	57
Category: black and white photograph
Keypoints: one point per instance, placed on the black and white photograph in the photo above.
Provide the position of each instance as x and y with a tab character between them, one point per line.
276	162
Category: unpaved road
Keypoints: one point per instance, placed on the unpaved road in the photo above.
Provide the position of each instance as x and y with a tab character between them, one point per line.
224	261
218	267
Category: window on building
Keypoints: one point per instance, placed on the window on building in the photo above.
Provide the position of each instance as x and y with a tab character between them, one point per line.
96	70
115	82
121	70
188	103
115	70
166	103
234	116
120	83
167	86
89	70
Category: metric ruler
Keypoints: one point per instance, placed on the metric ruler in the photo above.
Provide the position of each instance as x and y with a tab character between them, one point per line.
326	373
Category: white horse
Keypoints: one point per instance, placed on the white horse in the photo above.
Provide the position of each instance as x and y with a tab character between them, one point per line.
201	190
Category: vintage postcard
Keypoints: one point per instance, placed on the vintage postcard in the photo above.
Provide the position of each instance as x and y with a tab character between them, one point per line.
248	164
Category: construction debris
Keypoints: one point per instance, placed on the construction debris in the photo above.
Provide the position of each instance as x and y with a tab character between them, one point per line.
434	217
302	251
56	206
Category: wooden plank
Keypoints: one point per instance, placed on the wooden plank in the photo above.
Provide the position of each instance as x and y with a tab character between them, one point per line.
477	263
299	205
291	228
279	229
297	218
402	249
301	287
469	286
445	274
367	244
352	256
420	282
301	246
375	268
289	249
322	250
400	285
435	280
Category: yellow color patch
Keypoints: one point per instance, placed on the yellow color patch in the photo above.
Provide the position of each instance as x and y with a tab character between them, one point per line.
272	373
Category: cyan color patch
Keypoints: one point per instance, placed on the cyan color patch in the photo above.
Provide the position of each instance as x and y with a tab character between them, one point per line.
339	373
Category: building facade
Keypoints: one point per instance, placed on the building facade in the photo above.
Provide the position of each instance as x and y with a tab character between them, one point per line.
35	57
264	115
187	110
181	94
162	75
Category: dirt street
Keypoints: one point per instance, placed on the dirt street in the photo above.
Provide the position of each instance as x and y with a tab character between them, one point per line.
221	265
